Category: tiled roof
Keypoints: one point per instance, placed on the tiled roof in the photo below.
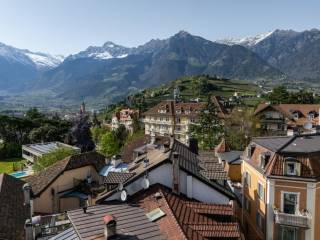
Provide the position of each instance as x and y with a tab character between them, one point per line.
132	223
166	108
191	164
13	213
117	177
288	109
127	152
43	179
273	143
232	157
194	219
304	149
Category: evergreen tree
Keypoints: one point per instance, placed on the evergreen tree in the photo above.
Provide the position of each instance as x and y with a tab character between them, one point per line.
81	134
208	129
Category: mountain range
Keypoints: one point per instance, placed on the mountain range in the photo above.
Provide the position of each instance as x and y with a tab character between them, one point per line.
105	74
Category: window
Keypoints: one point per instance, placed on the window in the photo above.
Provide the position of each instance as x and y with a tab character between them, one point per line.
178	120
247	179
247	205
288	233
292	167
250	150
260	191
290	202
264	159
260	221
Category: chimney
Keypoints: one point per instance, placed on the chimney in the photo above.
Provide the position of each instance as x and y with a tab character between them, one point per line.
110	226
175	173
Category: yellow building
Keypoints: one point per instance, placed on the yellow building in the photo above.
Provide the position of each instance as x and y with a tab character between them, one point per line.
66	184
281	188
170	118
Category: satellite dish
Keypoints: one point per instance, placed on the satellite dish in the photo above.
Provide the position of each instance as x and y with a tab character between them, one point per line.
145	183
123	195
307	125
120	186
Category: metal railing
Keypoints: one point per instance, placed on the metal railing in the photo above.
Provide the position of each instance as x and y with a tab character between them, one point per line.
300	219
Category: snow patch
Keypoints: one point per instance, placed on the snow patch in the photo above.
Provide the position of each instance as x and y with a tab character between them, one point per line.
246	41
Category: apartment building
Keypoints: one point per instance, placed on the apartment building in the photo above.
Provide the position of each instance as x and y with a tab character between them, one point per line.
288	118
174	118
124	117
281	188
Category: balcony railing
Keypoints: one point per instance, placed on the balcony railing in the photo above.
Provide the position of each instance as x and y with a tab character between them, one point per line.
300	219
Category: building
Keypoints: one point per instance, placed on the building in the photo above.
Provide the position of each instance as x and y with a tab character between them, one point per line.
281	193
231	160
13	212
32	152
124	117
153	213
288	118
67	184
171	118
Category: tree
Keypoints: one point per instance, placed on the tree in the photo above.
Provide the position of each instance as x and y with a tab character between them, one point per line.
208	129
278	95
301	97
51	158
45	133
121	134
95	120
109	144
240	128
33	113
135	123
81	134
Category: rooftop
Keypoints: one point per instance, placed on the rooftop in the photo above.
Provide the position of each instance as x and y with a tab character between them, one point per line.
43	179
13	213
176	218
44	148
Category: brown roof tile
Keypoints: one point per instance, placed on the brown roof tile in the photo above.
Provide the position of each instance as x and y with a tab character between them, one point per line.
117	177
190	216
13	213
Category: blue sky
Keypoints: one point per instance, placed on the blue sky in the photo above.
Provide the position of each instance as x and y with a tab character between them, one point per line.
69	26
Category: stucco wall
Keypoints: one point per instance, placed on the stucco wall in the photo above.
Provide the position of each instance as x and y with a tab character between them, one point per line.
46	203
163	175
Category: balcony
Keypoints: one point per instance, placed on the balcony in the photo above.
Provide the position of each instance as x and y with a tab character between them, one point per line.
301	219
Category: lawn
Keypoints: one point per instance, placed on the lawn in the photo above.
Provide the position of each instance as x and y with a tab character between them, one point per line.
6	165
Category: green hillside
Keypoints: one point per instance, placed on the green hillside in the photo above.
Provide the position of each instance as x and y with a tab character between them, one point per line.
192	88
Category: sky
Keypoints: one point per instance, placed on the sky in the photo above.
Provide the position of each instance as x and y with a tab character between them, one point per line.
69	26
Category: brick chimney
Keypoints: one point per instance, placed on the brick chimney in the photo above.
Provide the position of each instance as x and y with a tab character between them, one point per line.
110	226
175	173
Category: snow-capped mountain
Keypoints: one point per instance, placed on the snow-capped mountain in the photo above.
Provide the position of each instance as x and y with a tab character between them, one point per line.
106	51
44	60
246	41
41	61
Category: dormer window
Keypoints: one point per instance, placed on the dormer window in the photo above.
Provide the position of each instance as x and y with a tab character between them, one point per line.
264	159
250	150
291	167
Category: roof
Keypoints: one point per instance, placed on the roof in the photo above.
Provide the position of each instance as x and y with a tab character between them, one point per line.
304	149
291	144
43	179
211	167
166	108
218	102
181	218
288	109
188	162
117	177
132	223
128	149
273	143
185	218
44	148
13	213
232	157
